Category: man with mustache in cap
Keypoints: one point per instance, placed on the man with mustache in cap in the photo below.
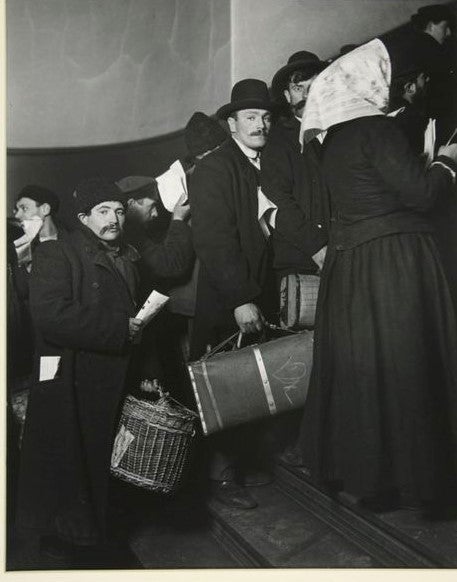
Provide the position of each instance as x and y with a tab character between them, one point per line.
291	179
83	300
232	244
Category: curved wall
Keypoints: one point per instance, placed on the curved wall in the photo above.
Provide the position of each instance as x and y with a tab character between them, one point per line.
267	32
88	72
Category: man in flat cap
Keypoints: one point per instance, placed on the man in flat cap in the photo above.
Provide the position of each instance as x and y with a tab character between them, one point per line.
232	244
291	179
83	300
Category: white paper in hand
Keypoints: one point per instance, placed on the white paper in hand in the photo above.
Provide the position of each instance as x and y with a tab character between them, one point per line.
152	306
172	185
429	141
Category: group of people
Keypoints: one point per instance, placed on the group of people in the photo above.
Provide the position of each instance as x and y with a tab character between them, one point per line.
319	190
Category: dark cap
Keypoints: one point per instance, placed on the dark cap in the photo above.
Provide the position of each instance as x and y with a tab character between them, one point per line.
434	13
304	61
247	94
41	196
138	187
202	134
93	191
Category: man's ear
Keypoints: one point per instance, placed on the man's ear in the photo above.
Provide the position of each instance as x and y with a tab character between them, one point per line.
83	218
45	209
410	88
130	202
287	95
231	124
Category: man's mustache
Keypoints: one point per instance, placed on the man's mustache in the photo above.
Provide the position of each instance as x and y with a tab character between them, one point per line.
110	227
259	132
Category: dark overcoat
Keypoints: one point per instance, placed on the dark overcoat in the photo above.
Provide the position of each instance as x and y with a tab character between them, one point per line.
81	306
233	251
292	180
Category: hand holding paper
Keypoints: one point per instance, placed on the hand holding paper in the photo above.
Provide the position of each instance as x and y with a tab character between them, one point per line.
152	306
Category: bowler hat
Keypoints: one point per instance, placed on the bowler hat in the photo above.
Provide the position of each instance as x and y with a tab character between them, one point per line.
202	133
247	94
304	61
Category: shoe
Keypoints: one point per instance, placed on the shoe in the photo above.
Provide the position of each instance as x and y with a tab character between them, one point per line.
413	504
232	495
257	478
291	458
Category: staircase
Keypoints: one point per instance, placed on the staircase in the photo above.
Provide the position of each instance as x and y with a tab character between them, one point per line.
298	526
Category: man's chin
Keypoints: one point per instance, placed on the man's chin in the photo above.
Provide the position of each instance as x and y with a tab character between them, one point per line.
110	235
258	142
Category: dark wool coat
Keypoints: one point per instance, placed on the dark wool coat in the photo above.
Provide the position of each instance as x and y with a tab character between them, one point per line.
233	251
167	261
80	306
381	409
292	180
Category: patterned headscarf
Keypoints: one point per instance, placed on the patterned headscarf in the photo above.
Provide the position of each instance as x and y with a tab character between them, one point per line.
355	85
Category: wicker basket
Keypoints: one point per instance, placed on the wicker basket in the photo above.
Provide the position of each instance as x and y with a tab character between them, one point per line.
152	445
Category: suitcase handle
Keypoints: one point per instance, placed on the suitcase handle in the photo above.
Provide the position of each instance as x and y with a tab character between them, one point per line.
239	336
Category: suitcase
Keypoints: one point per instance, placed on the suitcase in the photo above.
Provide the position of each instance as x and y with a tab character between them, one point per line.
298	300
251	383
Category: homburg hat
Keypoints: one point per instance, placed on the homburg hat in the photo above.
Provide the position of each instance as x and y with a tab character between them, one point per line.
247	94
304	61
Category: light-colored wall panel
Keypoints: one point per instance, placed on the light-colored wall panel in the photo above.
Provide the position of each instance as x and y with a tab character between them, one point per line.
87	72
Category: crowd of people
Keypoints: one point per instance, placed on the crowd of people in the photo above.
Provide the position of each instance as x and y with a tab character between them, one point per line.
318	188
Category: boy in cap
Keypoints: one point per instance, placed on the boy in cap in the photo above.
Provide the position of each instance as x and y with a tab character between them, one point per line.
35	209
83	300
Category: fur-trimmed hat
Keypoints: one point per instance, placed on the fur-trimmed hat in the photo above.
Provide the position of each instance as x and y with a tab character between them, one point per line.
93	191
41	196
202	133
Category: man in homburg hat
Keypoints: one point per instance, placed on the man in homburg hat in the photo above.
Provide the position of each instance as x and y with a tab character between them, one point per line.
292	180
83	300
232	244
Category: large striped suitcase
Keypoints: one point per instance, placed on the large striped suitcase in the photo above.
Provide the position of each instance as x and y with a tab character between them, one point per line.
236	387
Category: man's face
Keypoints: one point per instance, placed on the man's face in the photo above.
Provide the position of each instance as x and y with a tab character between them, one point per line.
251	127
142	210
106	220
296	95
439	30
26	209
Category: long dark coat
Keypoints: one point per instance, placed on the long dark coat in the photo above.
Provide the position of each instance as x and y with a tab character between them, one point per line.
382	403
233	251
292	180
81	306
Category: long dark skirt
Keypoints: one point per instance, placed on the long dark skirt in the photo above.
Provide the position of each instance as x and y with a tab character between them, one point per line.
381	412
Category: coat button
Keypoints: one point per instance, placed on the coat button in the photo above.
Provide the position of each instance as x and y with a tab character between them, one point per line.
333	219
339	247
95	285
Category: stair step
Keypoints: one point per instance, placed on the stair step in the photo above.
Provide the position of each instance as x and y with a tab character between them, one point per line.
281	533
403	538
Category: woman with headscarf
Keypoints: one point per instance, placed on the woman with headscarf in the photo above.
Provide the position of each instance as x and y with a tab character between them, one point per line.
380	420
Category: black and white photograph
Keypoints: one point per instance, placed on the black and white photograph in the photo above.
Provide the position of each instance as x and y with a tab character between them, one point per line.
231	287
